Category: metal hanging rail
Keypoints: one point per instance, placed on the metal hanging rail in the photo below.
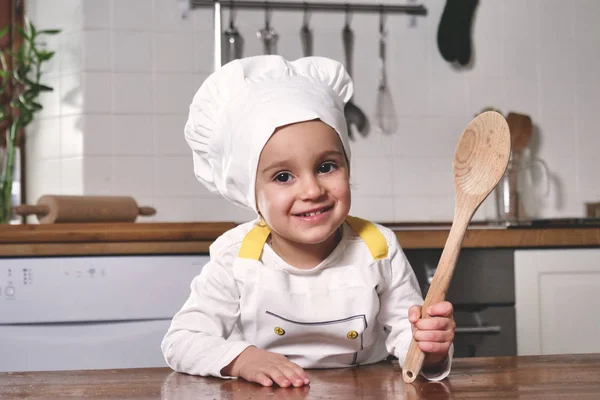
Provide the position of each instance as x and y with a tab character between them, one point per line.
313	6
187	5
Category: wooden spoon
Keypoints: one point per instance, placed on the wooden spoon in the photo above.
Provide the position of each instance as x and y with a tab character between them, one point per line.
480	159
521	130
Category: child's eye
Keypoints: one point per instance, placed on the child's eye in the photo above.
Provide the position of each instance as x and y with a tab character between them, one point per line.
283	177
327	167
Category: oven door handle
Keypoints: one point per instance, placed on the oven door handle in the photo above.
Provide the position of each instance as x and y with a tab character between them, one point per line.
477	329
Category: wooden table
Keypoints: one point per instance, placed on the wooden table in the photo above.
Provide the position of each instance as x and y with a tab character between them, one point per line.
539	377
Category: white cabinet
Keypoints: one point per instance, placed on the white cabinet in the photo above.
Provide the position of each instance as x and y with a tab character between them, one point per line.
557	294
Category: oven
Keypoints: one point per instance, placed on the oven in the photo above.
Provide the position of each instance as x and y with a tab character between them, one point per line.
482	291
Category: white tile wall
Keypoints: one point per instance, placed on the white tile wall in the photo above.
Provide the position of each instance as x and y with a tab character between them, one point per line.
126	70
132	92
72	182
131	51
71	136
98	175
99	135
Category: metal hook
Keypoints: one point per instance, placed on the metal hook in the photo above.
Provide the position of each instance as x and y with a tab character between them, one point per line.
306	14
381	19
267	15
348	14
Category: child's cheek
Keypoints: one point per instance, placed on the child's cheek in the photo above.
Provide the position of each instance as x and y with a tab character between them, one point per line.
341	191
279	201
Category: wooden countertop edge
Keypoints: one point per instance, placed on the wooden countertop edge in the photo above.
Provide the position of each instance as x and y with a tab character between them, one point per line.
194	231
494	238
409	240
104	248
113	232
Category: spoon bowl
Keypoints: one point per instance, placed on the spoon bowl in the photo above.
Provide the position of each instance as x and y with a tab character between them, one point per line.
354	115
480	160
481	155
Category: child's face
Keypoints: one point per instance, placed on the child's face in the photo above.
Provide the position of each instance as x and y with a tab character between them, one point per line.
302	183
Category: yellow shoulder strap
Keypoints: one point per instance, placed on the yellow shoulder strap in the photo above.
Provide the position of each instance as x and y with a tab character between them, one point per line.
369	233
253	242
255	239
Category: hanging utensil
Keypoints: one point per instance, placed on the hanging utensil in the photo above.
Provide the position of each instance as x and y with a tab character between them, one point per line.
268	35
480	159
354	115
385	114
234	43
306	36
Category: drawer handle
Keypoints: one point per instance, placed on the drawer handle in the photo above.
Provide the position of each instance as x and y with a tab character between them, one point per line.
477	329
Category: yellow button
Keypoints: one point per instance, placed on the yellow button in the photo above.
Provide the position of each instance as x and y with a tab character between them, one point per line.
352	335
279	331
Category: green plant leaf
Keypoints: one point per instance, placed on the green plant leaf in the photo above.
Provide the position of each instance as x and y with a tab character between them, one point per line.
29	95
43	88
37	87
3	31
28	81
30	28
24	75
23	33
45	55
49	31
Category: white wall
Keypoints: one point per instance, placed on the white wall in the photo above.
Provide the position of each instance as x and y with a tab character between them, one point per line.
126	70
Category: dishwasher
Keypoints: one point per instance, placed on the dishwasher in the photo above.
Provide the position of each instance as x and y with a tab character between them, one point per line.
92	312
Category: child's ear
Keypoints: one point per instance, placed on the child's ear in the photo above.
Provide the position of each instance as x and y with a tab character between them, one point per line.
261	220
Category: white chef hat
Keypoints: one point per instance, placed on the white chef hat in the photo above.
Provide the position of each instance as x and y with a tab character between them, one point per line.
239	106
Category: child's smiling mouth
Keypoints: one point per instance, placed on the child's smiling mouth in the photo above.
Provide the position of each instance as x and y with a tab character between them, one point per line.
315	212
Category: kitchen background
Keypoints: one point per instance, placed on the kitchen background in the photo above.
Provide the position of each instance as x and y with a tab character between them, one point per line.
125	72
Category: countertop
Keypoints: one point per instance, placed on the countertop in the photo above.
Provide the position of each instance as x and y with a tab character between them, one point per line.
539	377
196	237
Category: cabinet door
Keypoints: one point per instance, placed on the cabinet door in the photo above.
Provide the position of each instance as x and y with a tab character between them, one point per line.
557	301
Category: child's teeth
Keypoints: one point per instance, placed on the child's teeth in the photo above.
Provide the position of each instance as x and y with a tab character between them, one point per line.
312	213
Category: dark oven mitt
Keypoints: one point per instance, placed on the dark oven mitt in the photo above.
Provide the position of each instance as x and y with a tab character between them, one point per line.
454	32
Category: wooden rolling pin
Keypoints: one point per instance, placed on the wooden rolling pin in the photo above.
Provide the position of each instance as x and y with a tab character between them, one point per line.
52	209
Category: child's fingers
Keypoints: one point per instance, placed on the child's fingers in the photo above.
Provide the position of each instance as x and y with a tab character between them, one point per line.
435	324
260	378
414	313
433	336
276	374
441	309
291	375
300	372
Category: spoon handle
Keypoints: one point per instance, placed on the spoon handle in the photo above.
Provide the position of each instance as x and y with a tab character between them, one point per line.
439	287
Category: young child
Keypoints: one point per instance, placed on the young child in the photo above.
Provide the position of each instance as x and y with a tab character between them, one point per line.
305	285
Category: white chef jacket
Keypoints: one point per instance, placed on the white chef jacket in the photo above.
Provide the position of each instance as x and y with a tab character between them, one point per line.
351	309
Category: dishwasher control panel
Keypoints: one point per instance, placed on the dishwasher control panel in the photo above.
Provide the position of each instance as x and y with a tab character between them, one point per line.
103	288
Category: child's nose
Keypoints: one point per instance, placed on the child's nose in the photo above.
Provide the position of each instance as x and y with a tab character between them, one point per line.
312	188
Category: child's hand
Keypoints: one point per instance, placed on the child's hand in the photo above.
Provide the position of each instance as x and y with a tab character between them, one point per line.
434	334
264	367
